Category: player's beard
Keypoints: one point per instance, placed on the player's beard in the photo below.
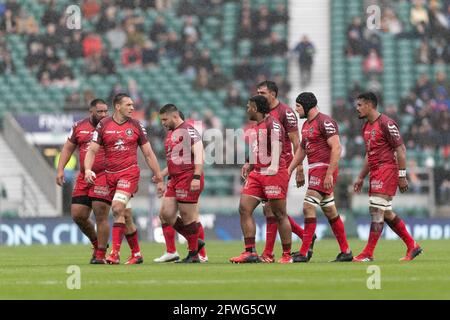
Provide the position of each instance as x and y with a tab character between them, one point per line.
95	121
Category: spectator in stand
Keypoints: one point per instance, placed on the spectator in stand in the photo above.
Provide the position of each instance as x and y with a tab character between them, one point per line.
391	23
372	63
132	56
189	28
51	15
36	56
234	98
117	38
244	71
159	30
173	47
419	17
107	20
280	15
204	61
217	79
6	63
90	8
8	23
75	47
202	80
187	66
150	55
134	37
423	53
355	38
92	44
276	46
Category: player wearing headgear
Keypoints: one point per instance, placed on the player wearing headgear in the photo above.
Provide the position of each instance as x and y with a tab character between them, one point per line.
320	143
385	161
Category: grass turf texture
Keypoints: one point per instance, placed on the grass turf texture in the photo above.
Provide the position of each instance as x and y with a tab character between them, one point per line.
38	272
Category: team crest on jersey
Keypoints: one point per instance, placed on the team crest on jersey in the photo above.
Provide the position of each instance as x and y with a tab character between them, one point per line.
311	131
129	132
373	133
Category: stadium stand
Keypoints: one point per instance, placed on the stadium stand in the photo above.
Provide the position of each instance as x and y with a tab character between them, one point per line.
158	51
407	63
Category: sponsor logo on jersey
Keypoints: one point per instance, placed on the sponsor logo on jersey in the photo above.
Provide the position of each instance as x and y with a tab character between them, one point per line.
119	145
314	181
123	184
329	127
95	136
181	193
272	190
376	184
393	130
85	132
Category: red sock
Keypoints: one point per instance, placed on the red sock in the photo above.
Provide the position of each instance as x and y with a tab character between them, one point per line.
376	228
310	229
133	242
180	227
250	245
339	232
399	227
118	232
95	243
271	234
169	237
192	236
296	228
100	253
287	248
201	235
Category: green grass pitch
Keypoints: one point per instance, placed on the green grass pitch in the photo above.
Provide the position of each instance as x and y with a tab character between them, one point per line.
38	272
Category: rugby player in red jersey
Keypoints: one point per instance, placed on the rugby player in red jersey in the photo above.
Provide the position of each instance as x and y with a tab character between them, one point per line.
320	143
184	154
287	118
385	161
120	135
87	197
169	232
267	180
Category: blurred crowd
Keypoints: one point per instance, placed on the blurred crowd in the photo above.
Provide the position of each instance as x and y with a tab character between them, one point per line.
424	114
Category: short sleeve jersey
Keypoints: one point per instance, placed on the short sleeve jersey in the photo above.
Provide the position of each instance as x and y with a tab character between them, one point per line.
178	146
81	135
381	139
261	142
315	135
120	142
287	118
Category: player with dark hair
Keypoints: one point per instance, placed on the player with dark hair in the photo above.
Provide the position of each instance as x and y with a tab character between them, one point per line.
120	135
87	197
385	161
267	180
287	118
320	143
184	152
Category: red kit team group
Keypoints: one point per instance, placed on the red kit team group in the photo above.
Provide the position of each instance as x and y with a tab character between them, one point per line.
109	177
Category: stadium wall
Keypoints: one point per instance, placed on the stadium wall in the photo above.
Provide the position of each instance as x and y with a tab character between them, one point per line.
46	231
